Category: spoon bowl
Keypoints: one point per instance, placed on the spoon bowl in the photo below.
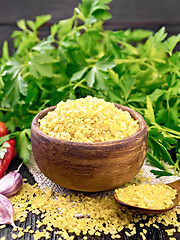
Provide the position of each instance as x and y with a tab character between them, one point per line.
151	212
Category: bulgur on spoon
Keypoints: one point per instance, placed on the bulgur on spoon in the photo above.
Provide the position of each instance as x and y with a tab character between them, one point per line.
149	199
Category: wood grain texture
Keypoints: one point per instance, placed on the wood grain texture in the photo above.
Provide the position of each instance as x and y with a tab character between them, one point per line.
132	14
123	11
153	233
89	167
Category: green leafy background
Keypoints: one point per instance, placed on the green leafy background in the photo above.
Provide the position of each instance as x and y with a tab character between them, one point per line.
136	68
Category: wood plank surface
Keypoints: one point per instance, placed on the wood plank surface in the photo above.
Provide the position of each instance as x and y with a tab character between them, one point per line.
153	233
126	14
123	11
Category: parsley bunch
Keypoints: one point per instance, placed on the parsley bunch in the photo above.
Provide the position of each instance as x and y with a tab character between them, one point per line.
136	68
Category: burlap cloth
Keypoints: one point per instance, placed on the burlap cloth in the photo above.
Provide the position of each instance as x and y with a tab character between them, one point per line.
44	182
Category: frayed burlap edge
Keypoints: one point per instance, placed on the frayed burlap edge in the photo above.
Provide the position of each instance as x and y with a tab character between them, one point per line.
44	182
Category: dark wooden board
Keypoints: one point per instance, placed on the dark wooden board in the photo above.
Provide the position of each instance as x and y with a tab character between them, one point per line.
152	232
126	14
123	11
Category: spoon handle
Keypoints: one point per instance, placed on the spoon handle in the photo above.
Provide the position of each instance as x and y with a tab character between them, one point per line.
175	185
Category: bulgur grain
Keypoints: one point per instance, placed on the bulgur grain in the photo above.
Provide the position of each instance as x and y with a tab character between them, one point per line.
20	234
2	226
88	120
100	214
143	236
153	196
14	236
155	225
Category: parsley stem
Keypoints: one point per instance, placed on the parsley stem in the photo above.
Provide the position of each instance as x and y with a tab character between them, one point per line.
88	88
5	109
88	60
175	133
32	111
26	75
79	83
132	60
177	168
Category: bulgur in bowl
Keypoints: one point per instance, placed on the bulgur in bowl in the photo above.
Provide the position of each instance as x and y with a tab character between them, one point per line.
87	145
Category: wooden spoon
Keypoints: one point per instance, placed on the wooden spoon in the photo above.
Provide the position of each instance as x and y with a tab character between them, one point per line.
147	211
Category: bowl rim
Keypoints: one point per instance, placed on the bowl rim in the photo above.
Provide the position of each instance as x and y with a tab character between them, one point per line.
143	129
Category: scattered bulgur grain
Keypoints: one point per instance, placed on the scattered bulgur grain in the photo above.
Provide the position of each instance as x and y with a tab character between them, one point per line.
98	233
41	234
49	228
88	120
118	236
133	231
20	234
143	236
19	229
113	236
128	234
14	236
155	225
2	226
28	227
98	214
155	196
170	231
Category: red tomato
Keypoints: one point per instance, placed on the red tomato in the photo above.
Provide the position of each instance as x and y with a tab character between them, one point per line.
3	129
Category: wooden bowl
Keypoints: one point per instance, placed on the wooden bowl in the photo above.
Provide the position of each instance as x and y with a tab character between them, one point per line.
89	167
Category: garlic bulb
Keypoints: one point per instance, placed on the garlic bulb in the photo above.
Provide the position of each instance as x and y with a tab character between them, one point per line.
10	183
6	211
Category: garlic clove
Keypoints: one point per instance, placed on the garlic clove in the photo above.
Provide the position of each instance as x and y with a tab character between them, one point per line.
6	211
11	183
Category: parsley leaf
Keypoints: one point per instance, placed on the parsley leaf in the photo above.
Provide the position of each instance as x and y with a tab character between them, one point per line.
23	145
3	150
14	86
40	66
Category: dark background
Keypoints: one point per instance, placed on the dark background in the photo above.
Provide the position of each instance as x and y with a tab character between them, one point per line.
146	14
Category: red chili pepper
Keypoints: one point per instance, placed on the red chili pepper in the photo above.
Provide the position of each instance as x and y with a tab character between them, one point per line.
12	142
15	153
4	163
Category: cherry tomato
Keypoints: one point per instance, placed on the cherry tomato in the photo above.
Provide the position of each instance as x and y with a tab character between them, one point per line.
3	129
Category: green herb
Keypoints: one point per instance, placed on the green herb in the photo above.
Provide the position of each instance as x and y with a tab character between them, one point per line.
3	150
136	68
